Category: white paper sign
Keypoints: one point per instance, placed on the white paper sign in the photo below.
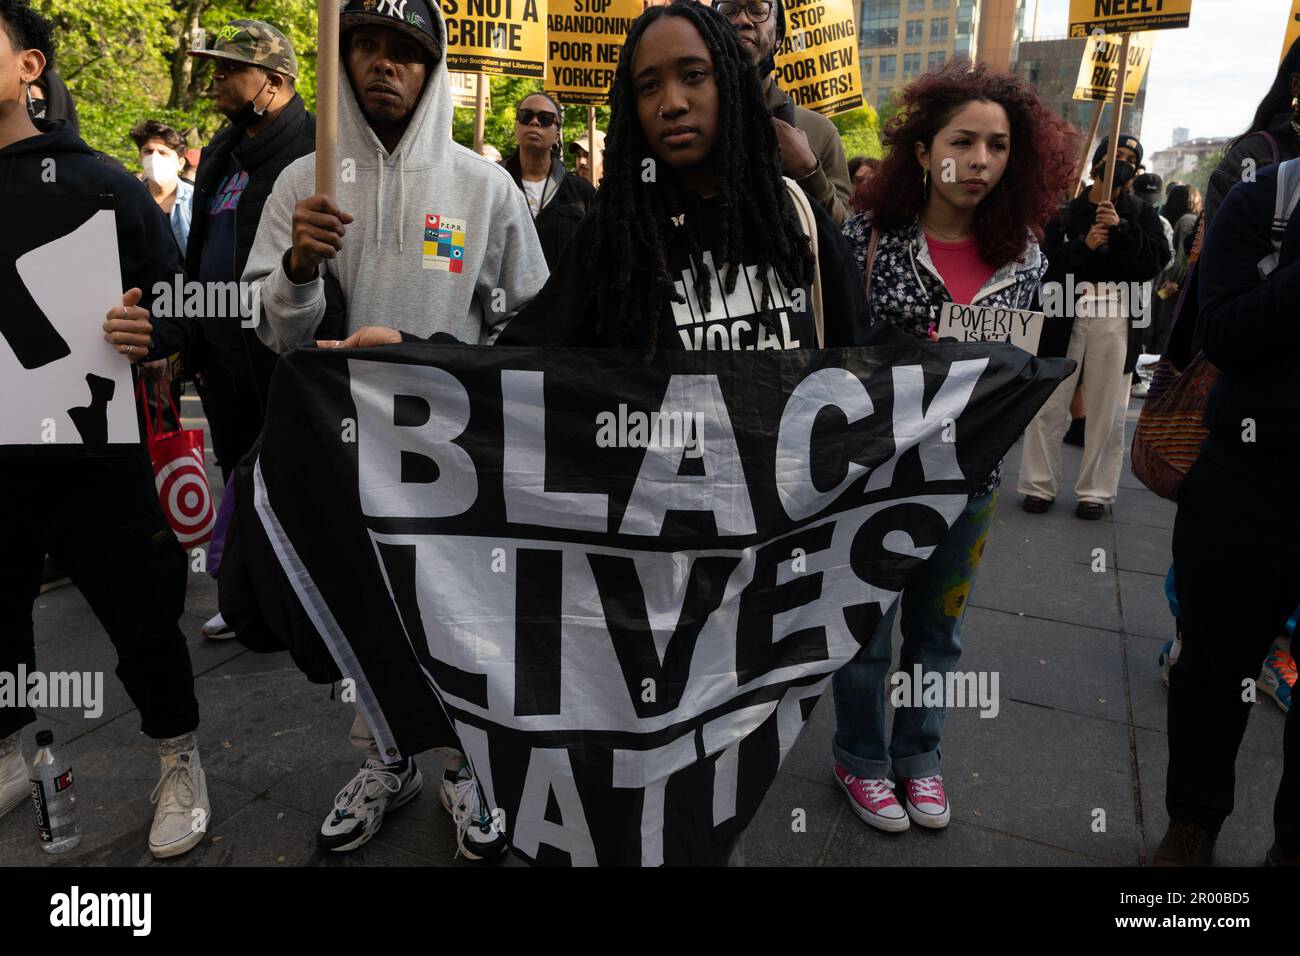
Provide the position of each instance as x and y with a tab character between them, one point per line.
991	323
85	396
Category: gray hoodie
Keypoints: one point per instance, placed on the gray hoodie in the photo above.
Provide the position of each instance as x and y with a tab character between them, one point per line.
442	239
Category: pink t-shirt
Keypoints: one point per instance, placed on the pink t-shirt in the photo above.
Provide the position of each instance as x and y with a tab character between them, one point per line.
963	271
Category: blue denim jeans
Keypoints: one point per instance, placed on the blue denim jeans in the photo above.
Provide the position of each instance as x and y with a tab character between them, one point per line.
934	603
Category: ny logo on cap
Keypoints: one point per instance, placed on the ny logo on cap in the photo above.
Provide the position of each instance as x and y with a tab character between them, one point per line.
392	8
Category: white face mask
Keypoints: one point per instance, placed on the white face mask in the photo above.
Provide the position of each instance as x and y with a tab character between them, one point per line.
161	169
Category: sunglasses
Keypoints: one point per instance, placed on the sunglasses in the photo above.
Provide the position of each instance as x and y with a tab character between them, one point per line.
546	118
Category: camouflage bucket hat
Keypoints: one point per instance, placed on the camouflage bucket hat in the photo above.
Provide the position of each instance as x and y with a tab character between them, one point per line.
255	43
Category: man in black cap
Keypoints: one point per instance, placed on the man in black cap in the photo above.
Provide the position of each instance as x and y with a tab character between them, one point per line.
434	237
811	151
1101	251
1150	188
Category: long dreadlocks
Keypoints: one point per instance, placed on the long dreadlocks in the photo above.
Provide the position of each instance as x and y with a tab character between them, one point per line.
632	217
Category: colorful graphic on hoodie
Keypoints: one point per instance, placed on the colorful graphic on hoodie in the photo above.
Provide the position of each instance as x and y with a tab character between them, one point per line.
444	243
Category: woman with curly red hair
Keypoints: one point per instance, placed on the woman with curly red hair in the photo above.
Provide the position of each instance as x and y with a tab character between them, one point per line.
976	167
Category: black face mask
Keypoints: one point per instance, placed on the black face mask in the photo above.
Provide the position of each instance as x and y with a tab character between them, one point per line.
1124	172
248	114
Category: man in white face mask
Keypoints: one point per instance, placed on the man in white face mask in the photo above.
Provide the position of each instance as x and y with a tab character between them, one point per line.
162	160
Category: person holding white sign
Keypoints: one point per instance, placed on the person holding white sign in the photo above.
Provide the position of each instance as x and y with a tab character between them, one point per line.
975	164
99	514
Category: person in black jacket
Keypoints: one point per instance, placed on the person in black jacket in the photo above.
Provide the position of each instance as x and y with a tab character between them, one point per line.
1101	251
99	513
712	251
1237	534
557	200
253	86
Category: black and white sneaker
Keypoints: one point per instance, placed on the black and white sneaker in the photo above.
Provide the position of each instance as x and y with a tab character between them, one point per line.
478	837
360	806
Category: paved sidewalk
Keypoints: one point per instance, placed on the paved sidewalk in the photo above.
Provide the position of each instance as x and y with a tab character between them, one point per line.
1081	729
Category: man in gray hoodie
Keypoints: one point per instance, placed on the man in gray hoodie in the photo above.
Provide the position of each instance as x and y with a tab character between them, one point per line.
473	257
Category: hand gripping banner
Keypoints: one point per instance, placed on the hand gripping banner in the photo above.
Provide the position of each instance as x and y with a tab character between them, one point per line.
624	585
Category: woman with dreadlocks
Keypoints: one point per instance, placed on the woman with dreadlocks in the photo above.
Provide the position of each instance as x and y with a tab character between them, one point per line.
975	170
695	240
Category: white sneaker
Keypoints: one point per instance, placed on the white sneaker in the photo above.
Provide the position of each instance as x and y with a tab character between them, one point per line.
360	806
14	788
477	837
217	629
181	820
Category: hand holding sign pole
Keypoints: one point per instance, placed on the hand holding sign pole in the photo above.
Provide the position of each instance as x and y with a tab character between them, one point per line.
327	97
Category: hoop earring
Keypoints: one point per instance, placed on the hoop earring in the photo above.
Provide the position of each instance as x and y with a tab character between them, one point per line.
925	183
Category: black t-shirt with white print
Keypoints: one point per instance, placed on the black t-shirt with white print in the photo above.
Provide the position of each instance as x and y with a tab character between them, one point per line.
564	312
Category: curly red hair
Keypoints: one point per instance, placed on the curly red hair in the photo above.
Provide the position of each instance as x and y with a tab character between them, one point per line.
1040	167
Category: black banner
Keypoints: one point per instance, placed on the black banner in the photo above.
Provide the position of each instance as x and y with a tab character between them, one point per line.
625	585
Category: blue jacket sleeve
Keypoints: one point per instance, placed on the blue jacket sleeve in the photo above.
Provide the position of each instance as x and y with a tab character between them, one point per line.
1246	321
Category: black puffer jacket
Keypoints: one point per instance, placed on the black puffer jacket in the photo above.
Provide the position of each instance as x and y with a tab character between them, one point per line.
568	197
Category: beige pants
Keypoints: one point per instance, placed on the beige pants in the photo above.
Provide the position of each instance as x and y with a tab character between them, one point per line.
1100	345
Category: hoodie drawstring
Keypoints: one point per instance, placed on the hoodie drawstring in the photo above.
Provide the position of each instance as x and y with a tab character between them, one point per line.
379	201
401	200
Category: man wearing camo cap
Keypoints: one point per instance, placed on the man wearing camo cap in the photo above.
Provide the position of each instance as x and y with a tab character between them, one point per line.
253	74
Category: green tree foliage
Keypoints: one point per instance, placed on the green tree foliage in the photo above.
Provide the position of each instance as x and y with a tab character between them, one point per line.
1200	176
124	61
859	131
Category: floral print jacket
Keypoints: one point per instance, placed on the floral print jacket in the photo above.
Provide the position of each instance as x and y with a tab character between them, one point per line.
908	291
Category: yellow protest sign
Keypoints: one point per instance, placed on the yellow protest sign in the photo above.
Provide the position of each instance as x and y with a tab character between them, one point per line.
496	36
817	62
1292	28
464	90
1099	70
583	41
1128	16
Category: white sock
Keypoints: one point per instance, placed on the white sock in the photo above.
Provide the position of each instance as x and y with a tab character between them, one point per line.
174	745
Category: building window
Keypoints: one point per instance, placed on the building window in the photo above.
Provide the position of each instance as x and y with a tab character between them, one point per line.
888	67
879	23
911	65
943	4
915	32
915	6
935	62
939	31
882	98
866	68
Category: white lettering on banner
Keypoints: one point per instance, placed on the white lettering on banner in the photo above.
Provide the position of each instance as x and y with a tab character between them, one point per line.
825	388
454	582
722	489
550	773
523	409
912	427
437	406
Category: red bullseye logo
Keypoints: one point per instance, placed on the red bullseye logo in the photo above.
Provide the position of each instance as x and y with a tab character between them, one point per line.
186	500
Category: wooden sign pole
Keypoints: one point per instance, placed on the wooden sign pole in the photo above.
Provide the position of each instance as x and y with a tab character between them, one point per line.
1087	146
480	111
1117	108
593	154
327	97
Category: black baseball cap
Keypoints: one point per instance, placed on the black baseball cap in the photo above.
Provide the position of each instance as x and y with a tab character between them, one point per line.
412	17
1126	140
1148	186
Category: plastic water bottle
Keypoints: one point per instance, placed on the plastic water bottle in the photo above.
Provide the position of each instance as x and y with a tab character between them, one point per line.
54	797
